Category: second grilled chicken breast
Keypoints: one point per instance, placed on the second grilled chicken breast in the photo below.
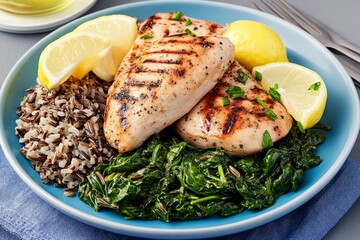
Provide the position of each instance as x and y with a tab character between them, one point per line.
162	84
238	127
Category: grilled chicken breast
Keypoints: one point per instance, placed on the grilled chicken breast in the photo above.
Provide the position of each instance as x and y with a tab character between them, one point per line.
160	84
238	127
161	25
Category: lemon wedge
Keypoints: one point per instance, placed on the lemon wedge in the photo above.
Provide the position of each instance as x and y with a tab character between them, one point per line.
75	54
255	43
121	31
302	91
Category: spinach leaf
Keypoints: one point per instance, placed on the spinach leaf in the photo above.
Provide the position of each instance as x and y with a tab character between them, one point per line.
168	179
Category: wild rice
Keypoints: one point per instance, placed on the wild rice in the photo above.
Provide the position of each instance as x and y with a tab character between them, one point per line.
62	130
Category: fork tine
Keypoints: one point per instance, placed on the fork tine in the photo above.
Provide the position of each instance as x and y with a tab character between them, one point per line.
351	67
261	7
319	30
272	8
316	30
285	11
277	10
298	14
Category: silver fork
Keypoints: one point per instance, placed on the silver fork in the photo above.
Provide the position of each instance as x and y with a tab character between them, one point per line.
321	32
351	66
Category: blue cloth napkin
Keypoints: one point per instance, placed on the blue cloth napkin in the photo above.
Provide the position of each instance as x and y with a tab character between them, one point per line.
23	215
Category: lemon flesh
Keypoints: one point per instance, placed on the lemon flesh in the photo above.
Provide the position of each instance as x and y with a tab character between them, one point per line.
75	54
295	85
121	31
255	43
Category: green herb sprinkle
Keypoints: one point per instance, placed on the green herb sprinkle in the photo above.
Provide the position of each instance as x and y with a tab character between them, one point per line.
267	141
300	126
188	31
274	94
225	101
258	76
188	22
315	86
147	36
177	15
235	92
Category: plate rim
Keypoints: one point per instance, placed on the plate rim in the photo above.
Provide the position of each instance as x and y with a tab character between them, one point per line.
76	9
185	232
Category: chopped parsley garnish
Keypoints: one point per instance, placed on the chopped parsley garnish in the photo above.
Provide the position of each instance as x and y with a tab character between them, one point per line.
258	76
239	71
147	36
137	57
300	126
261	102
188	22
268	111
155	42
271	114
267	141
177	15
235	92
315	86
244	79
188	31
225	101
274	94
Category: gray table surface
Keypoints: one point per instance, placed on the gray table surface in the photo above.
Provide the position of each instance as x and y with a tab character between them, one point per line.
341	16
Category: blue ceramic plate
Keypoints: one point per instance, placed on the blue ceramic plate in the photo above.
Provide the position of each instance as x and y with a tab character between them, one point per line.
342	113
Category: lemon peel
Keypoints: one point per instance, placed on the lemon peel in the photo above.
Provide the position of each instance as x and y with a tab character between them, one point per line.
255	43
75	53
121	31
302	100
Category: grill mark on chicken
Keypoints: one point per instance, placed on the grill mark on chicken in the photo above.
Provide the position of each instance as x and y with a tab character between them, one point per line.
169	51
258	110
201	41
169	17
166	31
165	61
124	108
123	122
142	70
140	83
145	70
233	111
143	96
207	122
123	95
208	110
229	122
179	72
148	24
213	28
